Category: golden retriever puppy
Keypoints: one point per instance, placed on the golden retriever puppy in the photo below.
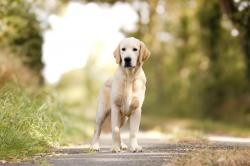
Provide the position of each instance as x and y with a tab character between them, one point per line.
123	95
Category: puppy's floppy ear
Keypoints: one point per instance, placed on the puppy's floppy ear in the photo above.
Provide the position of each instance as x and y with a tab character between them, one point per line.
117	54
144	53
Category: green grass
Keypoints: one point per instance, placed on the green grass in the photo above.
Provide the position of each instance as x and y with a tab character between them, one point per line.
195	126
29	124
32	123
220	127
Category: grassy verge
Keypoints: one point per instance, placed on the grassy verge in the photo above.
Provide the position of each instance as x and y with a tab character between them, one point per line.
195	126
29	124
206	157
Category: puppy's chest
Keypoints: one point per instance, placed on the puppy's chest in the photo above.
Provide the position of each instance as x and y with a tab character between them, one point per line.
124	99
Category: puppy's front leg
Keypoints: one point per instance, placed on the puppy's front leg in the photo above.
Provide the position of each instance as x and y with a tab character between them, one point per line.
115	120
135	119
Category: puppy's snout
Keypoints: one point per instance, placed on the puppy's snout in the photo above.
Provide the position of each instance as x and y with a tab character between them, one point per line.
127	60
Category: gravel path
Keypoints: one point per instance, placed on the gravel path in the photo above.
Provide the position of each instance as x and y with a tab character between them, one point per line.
155	152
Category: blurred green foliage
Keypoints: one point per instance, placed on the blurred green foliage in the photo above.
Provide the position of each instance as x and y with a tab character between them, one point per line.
78	90
20	33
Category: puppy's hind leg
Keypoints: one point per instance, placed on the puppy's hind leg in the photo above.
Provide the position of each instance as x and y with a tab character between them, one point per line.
100	118
102	113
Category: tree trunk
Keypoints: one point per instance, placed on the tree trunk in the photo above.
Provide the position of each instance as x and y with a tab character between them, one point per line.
230	9
246	49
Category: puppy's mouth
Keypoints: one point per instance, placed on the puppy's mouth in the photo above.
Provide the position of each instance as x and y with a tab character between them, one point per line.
128	66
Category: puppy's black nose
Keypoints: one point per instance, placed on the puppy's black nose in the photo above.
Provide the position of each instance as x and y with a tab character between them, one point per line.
127	60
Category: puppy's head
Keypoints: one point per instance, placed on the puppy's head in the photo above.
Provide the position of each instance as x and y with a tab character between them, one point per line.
131	52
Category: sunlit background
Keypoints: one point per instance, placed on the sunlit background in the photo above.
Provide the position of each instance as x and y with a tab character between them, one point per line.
55	56
81	30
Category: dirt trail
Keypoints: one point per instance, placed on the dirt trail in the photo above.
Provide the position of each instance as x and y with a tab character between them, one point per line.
155	152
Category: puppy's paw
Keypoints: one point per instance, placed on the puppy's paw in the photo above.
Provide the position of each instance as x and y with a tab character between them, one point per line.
124	146
95	147
115	149
135	148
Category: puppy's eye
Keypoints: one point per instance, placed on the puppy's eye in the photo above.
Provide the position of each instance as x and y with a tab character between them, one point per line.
123	49
135	49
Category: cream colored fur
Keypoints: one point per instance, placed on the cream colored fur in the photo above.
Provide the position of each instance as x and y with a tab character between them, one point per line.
123	95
